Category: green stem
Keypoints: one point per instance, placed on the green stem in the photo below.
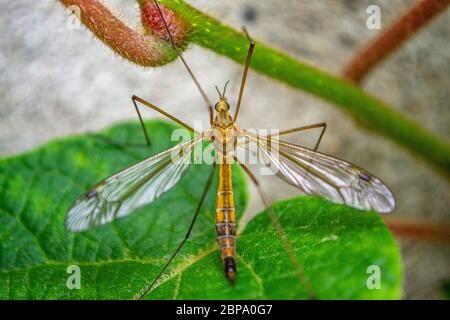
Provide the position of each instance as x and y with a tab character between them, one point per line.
367	110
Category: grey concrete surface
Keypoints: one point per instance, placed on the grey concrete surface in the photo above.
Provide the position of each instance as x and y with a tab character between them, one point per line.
56	82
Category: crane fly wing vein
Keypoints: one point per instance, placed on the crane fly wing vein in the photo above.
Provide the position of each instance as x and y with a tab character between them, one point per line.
318	174
120	194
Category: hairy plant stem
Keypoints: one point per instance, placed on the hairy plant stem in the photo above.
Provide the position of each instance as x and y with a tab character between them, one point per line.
139	48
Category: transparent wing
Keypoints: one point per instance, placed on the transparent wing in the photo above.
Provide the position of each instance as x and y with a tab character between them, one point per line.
118	195
318	174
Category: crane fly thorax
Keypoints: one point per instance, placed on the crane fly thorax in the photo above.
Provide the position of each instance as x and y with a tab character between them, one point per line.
223	131
224	140
223	119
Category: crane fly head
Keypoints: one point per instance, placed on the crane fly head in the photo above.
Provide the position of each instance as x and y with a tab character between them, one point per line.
223	104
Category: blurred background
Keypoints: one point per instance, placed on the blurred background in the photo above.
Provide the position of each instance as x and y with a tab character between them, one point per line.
56	82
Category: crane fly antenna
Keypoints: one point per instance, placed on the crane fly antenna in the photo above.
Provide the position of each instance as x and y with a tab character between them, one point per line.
199	87
218	91
244	75
222	94
225	88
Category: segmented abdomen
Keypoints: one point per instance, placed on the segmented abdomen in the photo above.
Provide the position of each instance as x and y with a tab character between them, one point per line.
226	220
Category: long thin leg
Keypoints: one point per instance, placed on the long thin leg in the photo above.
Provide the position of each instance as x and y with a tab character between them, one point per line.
199	87
144	129
197	211
279	229
135	98
322	125
148	104
121	144
244	75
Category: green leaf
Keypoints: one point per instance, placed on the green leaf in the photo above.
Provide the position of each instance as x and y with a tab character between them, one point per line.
335	244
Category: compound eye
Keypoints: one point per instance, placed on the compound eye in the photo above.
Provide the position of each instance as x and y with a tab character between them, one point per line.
216	107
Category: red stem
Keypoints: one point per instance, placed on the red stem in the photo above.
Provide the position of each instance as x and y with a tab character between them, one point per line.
438	233
391	39
142	49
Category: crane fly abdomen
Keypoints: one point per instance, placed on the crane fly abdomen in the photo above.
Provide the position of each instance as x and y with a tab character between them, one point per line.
224	141
226	220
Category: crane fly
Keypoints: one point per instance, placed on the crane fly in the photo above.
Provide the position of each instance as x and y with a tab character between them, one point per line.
312	172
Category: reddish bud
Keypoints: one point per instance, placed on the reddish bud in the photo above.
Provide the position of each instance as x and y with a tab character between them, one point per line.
151	19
